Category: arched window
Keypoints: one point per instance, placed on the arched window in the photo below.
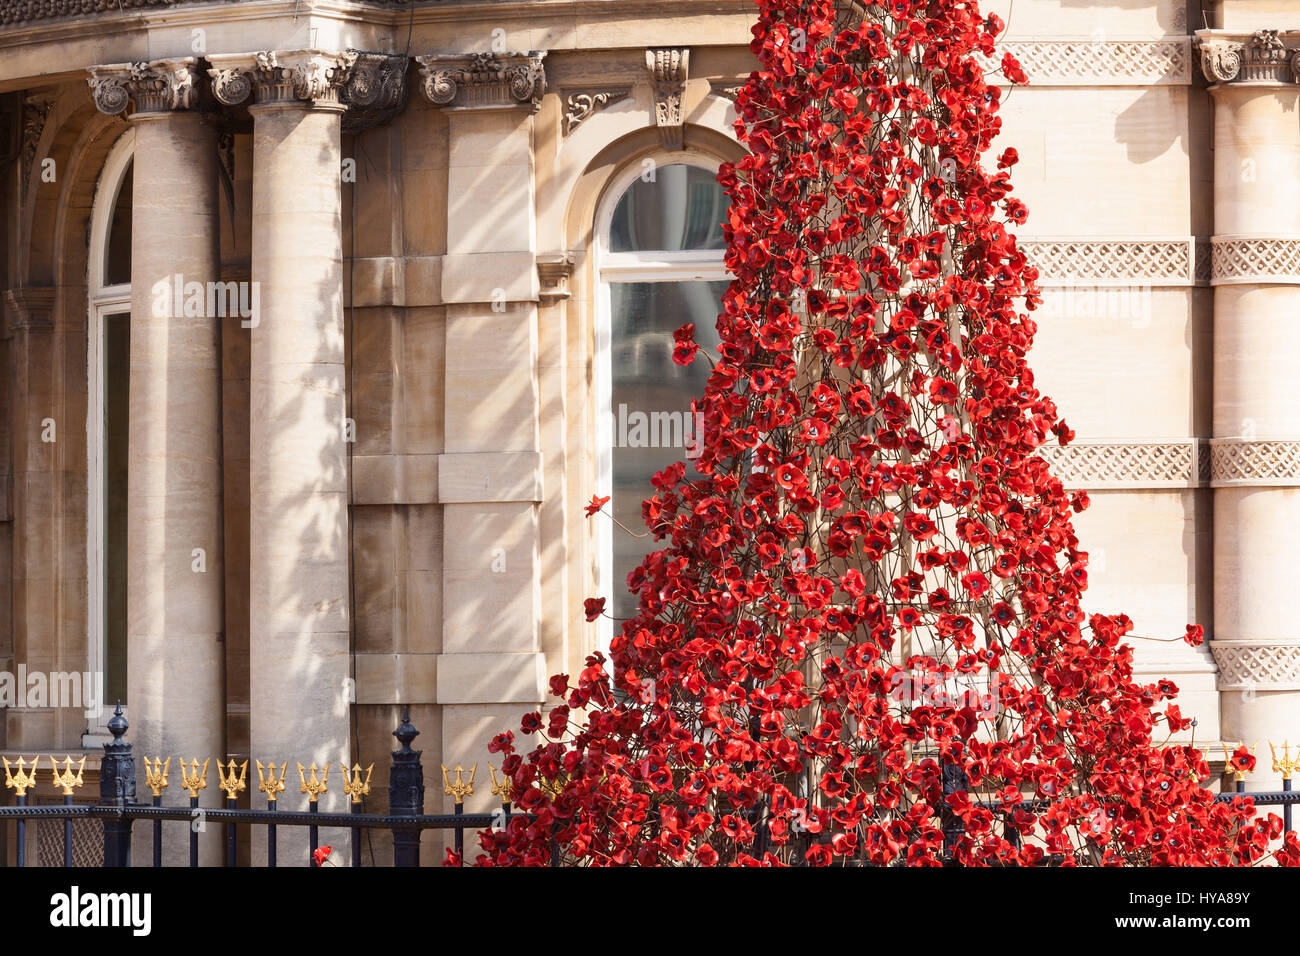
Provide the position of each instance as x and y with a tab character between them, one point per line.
659	254
108	343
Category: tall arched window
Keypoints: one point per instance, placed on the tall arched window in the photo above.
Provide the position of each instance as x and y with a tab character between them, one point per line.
108	343
659	254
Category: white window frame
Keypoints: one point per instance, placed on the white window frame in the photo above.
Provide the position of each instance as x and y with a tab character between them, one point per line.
104	300
612	267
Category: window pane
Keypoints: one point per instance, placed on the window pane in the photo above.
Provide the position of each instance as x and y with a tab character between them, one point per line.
117	251
116	378
650	402
681	209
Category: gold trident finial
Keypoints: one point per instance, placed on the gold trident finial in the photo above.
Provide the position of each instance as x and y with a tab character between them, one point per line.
193	779
313	787
1237	774
458	788
23	780
503	788
353	785
553	786
266	779
67	781
155	775
1286	766
228	782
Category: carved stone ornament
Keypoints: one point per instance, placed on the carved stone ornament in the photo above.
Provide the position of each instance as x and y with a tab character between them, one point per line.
1266	56
484	80
29	309
553	272
36	110
669	70
580	105
1263	665
375	91
727	89
157	86
311	76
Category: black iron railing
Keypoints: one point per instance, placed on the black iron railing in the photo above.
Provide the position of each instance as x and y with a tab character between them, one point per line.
119	810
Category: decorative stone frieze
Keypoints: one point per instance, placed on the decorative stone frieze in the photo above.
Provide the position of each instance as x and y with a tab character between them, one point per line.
1254	259
581	104
484	80
669	69
156	86
1257	665
1089	62
1268	57
1243	462
1116	262
312	76
1130	464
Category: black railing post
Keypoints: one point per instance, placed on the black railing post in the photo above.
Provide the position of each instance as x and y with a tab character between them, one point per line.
406	793
117	789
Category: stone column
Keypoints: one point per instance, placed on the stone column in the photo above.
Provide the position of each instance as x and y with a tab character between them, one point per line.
1255	449
491	670
299	654
175	592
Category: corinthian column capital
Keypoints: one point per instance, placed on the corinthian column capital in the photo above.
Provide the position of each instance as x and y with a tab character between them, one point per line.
1265	57
484	80
155	86
314	77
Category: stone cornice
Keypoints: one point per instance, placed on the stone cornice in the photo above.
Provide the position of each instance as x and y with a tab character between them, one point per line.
484	80
18	13
1262	58
275	77
155	86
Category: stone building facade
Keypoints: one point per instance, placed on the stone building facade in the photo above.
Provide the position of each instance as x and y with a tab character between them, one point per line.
323	319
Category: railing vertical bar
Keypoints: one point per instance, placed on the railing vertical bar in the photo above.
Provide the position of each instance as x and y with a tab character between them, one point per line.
157	833
231	857
460	831
21	801
314	832
67	833
356	839
270	834
194	833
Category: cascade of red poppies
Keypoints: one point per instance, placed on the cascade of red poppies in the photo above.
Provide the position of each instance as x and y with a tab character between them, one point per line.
861	640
